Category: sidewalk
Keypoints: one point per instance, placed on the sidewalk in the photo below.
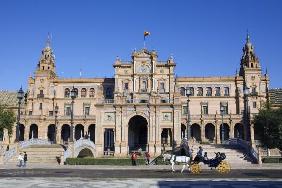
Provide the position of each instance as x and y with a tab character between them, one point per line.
139	167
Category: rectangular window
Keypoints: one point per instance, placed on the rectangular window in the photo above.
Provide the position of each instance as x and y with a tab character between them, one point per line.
30	113
225	109
87	110
126	86
184	110
205	109
254	104
50	113
40	106
67	110
162	87
226	91
209	91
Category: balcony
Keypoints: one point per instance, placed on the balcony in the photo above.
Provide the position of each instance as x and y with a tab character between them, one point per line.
40	96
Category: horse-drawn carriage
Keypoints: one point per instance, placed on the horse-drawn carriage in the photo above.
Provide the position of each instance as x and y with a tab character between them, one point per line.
182	156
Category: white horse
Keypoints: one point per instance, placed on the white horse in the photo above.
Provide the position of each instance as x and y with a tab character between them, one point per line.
180	159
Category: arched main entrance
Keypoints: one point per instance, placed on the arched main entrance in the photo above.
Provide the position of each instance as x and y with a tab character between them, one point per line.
137	133
65	132
210	132
51	132
196	131
239	131
21	130
85	153
33	131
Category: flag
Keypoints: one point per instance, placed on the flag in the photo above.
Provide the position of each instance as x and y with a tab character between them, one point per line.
146	33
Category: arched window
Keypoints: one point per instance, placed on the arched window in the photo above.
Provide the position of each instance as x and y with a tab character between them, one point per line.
217	91
91	92
162	87
67	93
191	91
209	91
76	91
182	91
200	91
83	92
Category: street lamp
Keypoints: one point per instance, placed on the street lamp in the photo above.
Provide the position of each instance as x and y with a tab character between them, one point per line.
188	94
222	126
73	95
20	96
56	116
246	112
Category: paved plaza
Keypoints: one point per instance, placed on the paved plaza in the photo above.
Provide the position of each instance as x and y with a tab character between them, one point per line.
140	182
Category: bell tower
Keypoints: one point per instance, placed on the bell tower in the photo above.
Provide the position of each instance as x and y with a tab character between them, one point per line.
46	65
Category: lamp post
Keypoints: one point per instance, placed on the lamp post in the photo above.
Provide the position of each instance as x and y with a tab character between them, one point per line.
246	112
73	96
56	116
188	93
222	126
20	96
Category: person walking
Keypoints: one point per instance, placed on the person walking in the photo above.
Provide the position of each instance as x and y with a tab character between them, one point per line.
20	159
25	159
147	156
133	158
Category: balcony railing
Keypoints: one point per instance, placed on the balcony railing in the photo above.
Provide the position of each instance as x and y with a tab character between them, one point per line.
40	95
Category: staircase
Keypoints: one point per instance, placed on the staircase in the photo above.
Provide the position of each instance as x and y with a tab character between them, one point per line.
47	154
234	155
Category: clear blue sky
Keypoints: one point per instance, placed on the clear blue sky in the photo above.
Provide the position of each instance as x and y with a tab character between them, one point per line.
205	37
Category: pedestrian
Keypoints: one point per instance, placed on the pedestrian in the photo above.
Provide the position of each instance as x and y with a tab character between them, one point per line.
25	159
20	159
147	156
133	158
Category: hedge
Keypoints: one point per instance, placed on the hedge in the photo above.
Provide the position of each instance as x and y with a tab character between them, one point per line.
103	161
272	160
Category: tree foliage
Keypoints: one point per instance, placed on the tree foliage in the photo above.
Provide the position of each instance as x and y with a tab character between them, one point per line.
7	119
268	126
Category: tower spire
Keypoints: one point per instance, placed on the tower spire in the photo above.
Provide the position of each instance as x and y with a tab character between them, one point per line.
48	41
248	36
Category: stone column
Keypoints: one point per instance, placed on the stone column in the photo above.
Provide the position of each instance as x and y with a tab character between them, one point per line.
26	132
231	133
252	134
58	134
203	138
217	132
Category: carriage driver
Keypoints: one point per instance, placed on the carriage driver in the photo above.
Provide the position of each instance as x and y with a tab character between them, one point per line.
199	157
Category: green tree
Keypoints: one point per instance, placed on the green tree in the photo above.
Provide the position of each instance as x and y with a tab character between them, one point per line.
7	120
268	126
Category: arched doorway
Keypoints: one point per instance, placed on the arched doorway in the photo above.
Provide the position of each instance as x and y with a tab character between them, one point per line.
166	137
65	132
238	131
85	153
210	132
91	132
51	132
21	130
196	131
226	132
33	131
1	134
183	131
137	133
79	132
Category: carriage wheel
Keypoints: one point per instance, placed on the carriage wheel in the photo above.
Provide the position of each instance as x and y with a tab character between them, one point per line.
196	168
223	167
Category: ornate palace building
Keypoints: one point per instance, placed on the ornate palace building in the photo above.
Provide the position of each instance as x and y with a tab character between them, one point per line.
143	106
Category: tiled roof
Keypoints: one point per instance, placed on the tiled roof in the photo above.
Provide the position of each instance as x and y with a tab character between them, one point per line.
275	96
8	98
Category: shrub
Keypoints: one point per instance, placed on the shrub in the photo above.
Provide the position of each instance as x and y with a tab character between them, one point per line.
272	160
103	161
